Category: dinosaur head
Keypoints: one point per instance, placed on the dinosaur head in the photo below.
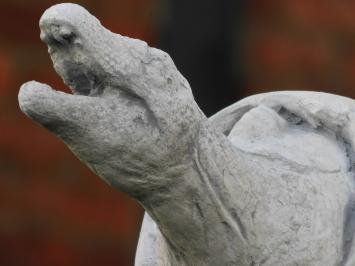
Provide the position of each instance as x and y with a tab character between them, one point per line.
131	117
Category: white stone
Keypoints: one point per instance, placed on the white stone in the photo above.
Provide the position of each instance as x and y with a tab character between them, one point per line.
267	181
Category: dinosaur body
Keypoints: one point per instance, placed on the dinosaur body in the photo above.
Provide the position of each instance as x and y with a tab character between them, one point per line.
267	181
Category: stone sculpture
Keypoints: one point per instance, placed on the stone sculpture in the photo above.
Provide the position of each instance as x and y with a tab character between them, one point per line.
266	181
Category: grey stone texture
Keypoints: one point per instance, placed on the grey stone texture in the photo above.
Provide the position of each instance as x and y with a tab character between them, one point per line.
267	181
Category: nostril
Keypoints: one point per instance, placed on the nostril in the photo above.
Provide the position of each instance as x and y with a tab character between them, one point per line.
67	35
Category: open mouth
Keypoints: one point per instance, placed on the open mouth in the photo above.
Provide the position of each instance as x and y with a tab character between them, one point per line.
80	80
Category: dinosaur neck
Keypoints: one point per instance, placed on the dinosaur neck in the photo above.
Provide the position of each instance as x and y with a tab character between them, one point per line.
196	210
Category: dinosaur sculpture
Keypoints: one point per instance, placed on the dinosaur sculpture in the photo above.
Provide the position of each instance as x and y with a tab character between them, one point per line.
267	181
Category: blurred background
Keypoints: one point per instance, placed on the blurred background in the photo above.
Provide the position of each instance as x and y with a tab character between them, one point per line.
53	210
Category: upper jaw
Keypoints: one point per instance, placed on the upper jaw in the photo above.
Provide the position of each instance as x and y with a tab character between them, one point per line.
62	40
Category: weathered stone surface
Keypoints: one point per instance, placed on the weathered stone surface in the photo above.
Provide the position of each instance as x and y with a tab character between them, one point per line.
267	181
